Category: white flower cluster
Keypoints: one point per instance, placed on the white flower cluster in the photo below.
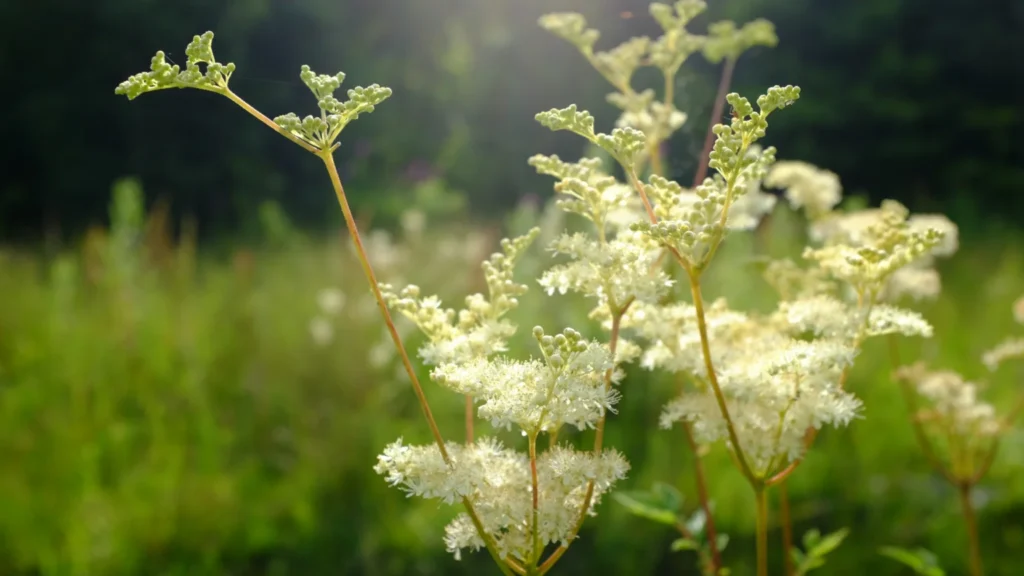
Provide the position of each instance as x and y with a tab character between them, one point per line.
498	481
954	406
615	265
808	187
330	301
567	387
519	512
1011	348
775	386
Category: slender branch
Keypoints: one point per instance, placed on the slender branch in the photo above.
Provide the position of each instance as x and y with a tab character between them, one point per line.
535	488
702	495
702	327
339	190
971	525
716	115
270	123
364	261
787	530
639	187
762	530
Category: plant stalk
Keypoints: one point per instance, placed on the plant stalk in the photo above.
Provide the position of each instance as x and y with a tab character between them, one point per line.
762	529
971	525
332	170
702	327
716	115
702	495
787	530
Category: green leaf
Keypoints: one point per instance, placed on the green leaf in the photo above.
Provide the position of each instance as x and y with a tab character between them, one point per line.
661	504
685	544
923	561
829	543
816	548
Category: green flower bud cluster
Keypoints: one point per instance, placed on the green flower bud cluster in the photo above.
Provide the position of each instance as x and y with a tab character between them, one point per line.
791	282
321	131
584	184
733	140
671	50
585	169
725	41
570	118
624	144
885	246
558	348
620	63
695	229
572	27
163	75
498	271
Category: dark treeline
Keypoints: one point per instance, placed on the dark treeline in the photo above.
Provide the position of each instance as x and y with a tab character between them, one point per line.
920	100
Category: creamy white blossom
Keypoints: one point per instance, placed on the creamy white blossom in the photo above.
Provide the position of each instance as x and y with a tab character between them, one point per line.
815	190
1008	349
498	482
613	272
953	403
776	388
832	318
568	387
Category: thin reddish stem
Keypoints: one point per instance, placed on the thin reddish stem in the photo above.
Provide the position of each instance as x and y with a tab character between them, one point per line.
716	116
702	495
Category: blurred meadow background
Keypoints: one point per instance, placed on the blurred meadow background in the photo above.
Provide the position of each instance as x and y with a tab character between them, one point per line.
194	378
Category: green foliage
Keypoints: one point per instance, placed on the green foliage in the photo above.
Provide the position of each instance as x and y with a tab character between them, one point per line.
816	549
725	41
662	503
922	561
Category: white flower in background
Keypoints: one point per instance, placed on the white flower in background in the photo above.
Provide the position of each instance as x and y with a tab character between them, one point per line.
815	190
381	250
1007	350
954	405
321	330
330	301
413	222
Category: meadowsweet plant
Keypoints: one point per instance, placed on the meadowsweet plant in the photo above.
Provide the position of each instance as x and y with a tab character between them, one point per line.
958	432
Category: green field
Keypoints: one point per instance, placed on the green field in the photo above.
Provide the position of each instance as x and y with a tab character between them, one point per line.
166	408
